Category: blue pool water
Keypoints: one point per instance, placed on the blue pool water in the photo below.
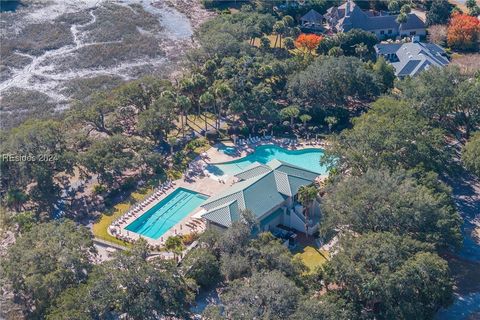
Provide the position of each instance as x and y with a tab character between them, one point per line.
306	158
167	213
231	151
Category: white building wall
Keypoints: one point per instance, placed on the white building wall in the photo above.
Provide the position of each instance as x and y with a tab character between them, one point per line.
418	32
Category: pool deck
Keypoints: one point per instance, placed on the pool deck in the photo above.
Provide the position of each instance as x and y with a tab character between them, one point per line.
206	185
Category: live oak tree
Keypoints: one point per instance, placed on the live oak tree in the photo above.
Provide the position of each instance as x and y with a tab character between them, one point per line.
267	295
128	286
471	154
446	97
390	134
328	307
386	276
267	253
331	81
396	202
109	158
439	12
158	120
96	114
386	72
141	93
44	148
45	261
202	266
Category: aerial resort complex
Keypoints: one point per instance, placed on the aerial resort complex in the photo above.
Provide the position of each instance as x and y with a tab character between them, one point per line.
240	159
262	175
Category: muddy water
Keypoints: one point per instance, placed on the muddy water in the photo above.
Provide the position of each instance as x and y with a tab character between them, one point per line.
44	75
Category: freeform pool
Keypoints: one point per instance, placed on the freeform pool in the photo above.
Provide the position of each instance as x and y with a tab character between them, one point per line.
167	213
305	158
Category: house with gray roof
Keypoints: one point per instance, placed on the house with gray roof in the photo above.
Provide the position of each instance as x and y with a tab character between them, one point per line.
269	191
312	20
349	16
411	58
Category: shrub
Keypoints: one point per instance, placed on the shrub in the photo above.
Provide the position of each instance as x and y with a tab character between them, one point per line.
189	238
99	188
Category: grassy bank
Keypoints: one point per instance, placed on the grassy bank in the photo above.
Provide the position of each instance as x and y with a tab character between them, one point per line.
100	228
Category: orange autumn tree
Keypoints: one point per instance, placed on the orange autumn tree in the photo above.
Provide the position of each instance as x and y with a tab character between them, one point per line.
308	43
463	32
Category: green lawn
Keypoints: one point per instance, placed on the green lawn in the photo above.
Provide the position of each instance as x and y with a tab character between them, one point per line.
99	229
312	257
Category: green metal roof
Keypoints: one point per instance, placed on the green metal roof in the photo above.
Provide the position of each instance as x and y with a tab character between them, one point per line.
260	193
224	215
253	170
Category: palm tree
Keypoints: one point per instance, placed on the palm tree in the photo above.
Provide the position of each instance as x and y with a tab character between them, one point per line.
279	28
290	112
361	50
222	92
331	121
306	195
172	141
305	118
402	18
174	244
183	104
205	100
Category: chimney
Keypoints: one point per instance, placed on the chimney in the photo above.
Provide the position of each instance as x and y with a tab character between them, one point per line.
347	8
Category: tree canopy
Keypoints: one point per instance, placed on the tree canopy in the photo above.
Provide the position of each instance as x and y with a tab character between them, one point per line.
267	295
471	154
331	81
463	32
45	261
445	96
151	290
379	274
390	134
439	12
396	202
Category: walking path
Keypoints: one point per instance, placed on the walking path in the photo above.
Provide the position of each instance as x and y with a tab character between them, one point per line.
466	265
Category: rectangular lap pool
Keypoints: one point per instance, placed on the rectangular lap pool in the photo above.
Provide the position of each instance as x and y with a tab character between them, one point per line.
167	213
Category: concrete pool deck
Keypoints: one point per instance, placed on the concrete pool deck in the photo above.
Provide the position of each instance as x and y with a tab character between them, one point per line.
208	185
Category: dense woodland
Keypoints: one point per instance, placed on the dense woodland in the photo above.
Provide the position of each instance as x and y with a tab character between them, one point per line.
392	145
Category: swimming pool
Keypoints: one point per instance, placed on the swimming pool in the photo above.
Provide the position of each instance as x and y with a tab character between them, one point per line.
306	158
167	213
231	151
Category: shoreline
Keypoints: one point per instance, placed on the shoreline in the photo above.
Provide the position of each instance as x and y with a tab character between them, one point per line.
195	13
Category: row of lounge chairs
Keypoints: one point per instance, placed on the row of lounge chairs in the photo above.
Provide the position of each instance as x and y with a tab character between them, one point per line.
315	142
286	142
139	207
252	140
195	224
